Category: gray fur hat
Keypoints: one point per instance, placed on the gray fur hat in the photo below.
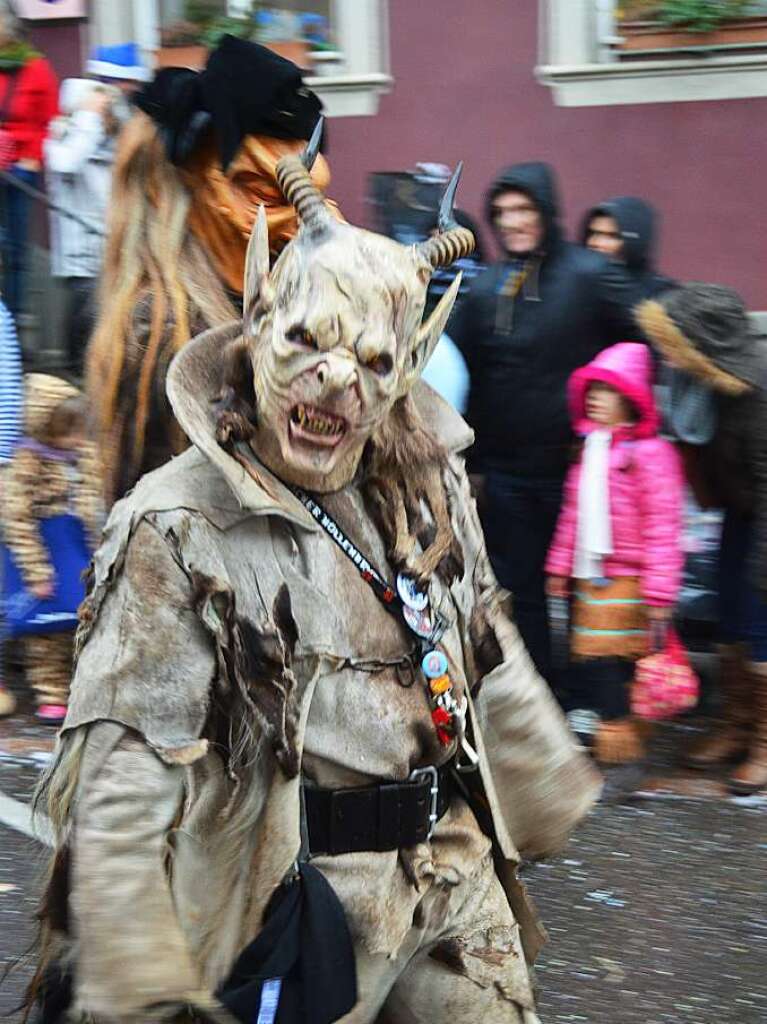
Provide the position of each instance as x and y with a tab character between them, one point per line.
705	329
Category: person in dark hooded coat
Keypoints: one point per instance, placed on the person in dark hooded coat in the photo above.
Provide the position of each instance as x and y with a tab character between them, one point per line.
703	332
626	229
531	319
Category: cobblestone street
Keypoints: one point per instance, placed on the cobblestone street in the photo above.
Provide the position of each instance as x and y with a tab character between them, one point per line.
656	911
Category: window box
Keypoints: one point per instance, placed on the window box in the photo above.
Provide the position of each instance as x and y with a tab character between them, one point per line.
581	58
643	36
191	56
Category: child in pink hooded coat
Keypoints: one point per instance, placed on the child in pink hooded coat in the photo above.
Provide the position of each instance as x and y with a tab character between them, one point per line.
617	546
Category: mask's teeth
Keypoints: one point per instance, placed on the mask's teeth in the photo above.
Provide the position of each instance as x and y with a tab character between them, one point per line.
314	420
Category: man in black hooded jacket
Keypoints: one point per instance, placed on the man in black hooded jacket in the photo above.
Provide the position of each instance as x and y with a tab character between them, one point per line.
528	321
625	229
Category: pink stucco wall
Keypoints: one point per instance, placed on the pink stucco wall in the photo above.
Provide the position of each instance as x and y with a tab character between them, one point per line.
63	43
465	88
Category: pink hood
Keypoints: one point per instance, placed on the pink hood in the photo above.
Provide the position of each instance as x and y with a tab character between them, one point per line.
627	367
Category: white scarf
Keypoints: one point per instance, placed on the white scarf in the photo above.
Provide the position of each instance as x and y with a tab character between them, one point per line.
593	535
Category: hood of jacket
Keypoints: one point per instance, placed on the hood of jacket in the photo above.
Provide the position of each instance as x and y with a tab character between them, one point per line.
705	330
627	367
42	394
535	179
194	383
638	224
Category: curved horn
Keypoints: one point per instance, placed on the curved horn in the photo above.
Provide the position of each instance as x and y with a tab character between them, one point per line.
298	188
453	241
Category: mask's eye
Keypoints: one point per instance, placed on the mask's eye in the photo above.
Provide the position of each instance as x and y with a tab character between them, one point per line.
382	365
299	335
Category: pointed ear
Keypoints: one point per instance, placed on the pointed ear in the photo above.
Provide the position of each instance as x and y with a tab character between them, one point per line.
427	337
258	293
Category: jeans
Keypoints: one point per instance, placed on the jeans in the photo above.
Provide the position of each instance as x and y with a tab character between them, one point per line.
16	206
519	519
743	611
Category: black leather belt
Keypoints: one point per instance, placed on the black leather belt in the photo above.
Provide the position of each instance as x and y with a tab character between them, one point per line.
390	816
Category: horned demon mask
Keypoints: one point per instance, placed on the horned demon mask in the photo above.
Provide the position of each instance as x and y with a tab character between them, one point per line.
335	331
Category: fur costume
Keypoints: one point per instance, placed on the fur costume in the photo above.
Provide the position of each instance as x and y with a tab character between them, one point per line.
228	649
37	485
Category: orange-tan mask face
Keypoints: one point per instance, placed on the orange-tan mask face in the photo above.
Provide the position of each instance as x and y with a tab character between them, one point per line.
225	203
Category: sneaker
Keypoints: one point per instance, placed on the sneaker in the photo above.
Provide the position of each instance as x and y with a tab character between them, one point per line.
7	702
51	714
584	723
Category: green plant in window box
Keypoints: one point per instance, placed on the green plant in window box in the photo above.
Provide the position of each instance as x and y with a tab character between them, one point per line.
211	24
202	12
702	15
637	10
180	33
215	30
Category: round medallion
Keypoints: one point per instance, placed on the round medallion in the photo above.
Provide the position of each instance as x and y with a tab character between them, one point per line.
419	622
434	665
412	597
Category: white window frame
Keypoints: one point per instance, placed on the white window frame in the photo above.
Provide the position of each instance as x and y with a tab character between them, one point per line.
350	80
572	35
353	79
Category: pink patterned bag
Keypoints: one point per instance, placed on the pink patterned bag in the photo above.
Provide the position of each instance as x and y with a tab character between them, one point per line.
665	684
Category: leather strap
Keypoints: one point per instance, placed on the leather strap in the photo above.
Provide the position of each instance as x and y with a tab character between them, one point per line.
390	816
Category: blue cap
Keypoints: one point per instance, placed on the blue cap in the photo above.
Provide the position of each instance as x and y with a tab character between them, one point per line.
121	62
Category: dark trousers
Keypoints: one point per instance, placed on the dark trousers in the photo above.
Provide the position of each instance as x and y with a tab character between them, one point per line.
81	319
16	207
519	519
743	610
600	684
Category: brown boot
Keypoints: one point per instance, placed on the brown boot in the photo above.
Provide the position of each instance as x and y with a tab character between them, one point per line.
618	741
619	751
730	740
751	775
7	702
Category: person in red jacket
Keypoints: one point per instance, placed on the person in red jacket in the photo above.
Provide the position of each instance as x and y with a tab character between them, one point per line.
617	546
28	102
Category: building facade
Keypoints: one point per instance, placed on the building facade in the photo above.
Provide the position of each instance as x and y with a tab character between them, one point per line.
495	82
474	81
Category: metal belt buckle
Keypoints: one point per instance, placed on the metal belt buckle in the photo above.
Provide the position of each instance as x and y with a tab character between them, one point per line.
417	775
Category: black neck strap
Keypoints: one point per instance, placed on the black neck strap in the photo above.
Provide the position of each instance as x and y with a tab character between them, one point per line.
387	595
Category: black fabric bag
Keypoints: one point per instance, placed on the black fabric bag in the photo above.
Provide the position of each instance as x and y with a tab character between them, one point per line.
301	968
